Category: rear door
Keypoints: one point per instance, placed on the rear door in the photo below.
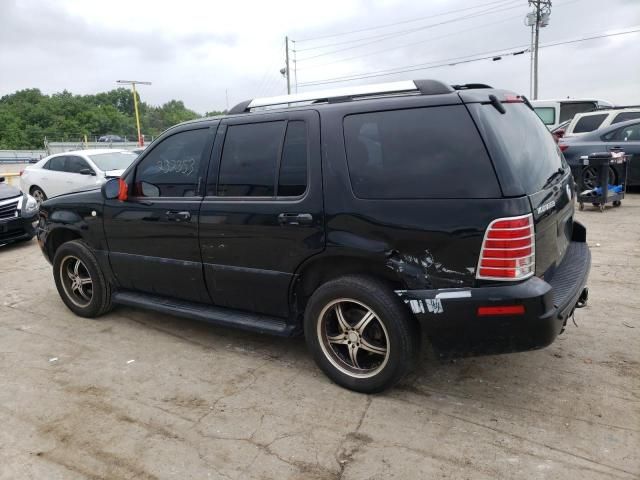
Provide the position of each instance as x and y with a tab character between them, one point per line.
262	215
53	177
627	139
528	162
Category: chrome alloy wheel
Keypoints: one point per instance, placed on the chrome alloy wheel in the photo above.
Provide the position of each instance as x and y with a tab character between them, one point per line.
38	195
353	338
76	281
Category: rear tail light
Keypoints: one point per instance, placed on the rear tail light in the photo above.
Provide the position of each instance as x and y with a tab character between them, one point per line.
508	249
563	147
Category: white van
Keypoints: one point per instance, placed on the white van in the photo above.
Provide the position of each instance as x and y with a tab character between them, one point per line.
554	112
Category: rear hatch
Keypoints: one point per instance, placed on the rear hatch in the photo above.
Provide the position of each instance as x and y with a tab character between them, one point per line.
528	163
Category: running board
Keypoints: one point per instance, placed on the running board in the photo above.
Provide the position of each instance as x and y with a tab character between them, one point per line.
206	313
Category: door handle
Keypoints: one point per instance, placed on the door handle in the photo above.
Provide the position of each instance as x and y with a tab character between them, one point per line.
174	216
295	219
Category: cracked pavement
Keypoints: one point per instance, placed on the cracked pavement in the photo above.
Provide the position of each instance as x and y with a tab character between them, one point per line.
201	402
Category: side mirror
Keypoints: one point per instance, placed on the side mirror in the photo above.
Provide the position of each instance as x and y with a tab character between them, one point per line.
115	188
87	171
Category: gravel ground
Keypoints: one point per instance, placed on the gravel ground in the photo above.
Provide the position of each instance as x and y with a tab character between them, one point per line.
136	395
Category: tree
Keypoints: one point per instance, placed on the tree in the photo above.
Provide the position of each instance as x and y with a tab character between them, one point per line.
27	116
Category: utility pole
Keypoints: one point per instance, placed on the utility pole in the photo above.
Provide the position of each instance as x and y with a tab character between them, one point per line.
537	19
133	84
286	47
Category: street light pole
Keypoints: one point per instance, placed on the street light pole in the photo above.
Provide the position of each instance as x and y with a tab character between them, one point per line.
133	84
286	47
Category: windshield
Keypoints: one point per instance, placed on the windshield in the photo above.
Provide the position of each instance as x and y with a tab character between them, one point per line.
520	140
113	160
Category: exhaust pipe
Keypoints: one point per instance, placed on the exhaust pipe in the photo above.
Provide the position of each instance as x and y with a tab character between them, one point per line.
583	298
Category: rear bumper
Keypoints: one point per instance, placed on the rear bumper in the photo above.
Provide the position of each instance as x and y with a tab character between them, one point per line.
450	316
16	229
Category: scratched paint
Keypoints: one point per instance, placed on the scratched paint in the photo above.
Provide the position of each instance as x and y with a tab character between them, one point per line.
424	271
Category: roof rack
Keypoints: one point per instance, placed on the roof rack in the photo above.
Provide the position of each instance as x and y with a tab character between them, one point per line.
423	87
468	86
617	107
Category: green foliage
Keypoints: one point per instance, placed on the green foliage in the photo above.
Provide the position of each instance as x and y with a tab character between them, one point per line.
28	116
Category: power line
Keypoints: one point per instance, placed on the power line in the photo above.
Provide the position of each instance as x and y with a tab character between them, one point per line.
458	32
379	38
458	60
398	23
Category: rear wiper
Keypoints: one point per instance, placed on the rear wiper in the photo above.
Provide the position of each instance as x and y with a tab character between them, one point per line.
552	177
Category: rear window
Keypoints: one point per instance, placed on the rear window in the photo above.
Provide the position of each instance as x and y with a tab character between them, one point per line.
589	123
624	116
519	139
431	152
547	115
568	110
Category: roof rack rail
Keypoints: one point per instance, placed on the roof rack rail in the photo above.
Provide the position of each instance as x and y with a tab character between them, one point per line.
617	107
424	87
468	86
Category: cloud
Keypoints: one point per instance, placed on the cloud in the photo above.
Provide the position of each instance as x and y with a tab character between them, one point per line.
198	51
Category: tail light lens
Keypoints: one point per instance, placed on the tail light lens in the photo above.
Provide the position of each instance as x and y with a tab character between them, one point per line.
563	147
508	249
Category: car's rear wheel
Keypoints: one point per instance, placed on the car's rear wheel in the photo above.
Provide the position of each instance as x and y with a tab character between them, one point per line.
79	280
38	194
360	333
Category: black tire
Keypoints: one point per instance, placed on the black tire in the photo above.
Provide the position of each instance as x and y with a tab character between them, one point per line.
90	299
37	193
590	177
391	328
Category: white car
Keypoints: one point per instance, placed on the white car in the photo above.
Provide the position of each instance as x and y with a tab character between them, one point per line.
73	171
554	112
588	122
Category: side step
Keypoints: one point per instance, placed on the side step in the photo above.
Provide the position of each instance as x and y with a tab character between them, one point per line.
206	313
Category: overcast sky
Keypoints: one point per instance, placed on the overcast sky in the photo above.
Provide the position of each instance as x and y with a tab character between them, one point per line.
195	50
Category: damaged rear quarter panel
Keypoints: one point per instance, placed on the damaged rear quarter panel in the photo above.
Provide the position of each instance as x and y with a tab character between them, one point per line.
427	244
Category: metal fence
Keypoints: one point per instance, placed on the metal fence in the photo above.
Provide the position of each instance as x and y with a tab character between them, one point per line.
21	156
60	147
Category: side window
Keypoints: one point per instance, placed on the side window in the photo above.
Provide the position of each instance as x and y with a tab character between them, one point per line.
57	164
249	159
624	116
589	123
626	134
546	114
75	164
172	168
433	152
292	180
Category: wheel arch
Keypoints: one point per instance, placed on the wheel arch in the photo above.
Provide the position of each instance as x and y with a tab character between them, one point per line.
323	268
57	237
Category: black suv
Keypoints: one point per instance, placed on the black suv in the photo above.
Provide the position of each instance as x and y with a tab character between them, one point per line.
362	219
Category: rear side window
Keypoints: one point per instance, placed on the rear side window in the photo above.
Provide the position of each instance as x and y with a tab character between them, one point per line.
57	164
570	110
249	159
624	116
292	180
431	152
547	115
589	123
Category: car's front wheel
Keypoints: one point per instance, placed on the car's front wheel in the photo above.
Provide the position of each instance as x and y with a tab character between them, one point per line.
360	333
38	194
79	280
